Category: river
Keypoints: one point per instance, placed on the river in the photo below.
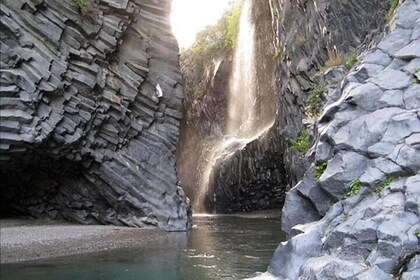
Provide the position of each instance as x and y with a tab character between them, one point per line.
217	247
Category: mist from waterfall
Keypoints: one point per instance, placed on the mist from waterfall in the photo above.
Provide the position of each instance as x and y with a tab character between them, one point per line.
246	118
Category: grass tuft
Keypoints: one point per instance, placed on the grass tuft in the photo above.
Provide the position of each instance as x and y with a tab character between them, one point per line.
313	103
354	188
320	169
393	4
302	144
83	5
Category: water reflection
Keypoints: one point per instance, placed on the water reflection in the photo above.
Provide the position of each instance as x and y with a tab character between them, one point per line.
218	247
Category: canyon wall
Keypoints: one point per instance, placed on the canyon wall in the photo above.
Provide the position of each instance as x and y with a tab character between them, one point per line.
356	212
90	112
226	136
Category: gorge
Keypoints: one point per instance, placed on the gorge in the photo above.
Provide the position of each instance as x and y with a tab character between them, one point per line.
310	108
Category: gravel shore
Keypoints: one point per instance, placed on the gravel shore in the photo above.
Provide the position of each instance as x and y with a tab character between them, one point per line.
29	240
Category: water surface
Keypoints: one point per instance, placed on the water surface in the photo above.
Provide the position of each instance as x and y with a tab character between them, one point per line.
218	247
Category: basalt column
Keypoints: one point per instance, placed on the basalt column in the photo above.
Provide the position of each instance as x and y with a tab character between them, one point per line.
90	109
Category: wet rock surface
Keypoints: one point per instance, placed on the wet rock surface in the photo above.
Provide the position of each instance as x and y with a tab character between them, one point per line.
367	197
90	109
251	178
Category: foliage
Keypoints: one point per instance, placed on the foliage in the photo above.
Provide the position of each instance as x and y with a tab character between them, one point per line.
221	36
417	232
381	185
354	188
200	94
350	61
393	4
82	4
277	54
319	169
313	103
302	144
416	80
231	33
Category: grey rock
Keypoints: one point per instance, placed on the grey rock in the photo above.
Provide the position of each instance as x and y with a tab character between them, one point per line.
412	193
413	269
395	41
412	97
328	267
377	57
409	51
289	256
81	123
374	273
391	79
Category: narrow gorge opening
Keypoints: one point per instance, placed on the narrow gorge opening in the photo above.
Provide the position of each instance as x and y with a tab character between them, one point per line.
227	129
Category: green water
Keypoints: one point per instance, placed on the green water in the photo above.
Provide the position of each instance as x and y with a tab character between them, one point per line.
218	247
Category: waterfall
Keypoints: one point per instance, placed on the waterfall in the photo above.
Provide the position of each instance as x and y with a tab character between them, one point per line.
246	118
242	91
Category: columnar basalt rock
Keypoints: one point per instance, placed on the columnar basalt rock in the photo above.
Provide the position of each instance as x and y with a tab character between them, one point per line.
90	109
307	34
361	219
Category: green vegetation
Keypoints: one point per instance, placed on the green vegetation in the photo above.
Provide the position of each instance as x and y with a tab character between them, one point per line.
381	185
415	80
221	36
393	4
313	103
354	188
200	94
82	5
303	143
231	33
350	61
417	232
319	169
276	55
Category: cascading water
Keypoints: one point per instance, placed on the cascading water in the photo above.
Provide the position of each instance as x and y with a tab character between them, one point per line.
246	119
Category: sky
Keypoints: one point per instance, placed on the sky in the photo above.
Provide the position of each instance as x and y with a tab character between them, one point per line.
189	17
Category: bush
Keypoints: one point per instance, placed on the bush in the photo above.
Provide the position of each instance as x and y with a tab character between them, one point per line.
82	4
354	188
221	36
350	61
393	4
232	25
277	54
302	144
320	169
313	103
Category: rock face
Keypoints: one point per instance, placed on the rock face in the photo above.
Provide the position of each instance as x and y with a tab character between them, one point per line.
90	109
307	34
251	176
251	179
368	197
204	112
